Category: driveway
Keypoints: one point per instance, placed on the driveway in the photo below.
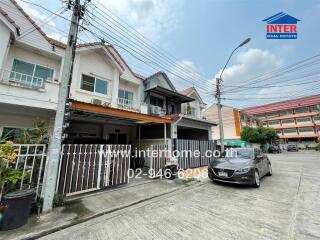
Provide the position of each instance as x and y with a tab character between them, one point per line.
286	206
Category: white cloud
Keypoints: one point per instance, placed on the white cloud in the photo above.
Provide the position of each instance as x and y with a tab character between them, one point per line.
36	15
184	73
152	18
58	36
249	64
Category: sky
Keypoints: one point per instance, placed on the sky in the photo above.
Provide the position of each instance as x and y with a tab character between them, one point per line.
197	36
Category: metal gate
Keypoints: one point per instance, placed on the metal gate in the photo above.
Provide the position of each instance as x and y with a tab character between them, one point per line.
157	160
187	148
88	167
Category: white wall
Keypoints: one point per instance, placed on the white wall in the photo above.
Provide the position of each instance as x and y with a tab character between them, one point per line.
42	98
125	85
94	64
34	39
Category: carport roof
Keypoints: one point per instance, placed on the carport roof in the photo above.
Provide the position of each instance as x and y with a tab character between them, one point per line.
172	95
115	113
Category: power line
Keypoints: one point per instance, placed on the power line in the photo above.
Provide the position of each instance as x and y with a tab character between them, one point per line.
152	59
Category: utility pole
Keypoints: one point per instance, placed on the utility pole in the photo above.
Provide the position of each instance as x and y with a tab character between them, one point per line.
52	165
218	96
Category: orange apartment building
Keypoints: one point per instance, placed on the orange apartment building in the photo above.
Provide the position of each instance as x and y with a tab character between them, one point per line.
295	120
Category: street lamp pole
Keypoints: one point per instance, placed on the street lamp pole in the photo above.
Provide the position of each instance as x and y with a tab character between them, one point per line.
218	95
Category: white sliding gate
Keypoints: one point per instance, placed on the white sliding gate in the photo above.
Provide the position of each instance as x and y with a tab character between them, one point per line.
88	167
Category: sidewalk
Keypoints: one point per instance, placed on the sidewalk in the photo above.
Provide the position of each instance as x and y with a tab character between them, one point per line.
94	205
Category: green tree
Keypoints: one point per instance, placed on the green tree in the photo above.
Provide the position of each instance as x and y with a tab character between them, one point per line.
38	134
260	135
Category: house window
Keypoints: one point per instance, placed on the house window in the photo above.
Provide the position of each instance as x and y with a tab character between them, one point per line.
301	110
303	119
155	101
191	110
290	130
316	118
10	134
273	114
279	132
283	113
288	121
125	97
276	122
33	70
303	130
29	74
93	84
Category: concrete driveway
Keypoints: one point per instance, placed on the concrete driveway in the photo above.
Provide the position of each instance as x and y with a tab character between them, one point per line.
287	206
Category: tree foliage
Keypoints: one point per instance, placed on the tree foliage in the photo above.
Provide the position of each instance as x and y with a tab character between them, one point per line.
260	135
38	134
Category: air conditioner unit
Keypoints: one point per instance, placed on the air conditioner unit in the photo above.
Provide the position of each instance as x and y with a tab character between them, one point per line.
156	110
96	101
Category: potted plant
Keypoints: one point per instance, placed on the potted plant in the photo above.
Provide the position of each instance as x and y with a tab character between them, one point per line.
15	203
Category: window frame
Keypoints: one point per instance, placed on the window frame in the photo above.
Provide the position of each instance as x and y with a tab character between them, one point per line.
94	85
297	119
285	131
306	131
34	69
292	121
270	122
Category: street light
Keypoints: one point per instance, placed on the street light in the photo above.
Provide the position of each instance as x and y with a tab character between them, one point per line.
218	82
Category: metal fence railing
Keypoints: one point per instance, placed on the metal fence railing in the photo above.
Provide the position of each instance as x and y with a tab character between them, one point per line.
31	162
21	79
89	167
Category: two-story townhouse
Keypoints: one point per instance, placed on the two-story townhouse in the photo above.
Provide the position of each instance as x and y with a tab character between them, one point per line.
109	103
30	71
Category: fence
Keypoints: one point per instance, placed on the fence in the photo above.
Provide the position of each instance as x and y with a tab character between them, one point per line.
31	161
88	167
187	149
157	160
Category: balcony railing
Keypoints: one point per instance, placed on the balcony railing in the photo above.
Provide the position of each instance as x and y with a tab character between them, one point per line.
125	103
21	79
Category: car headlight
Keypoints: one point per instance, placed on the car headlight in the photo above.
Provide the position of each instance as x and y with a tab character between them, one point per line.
243	170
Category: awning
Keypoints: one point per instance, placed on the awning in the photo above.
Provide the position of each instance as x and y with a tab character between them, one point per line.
88	110
171	95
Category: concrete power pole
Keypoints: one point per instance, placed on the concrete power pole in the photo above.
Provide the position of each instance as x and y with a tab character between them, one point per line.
218	96
52	166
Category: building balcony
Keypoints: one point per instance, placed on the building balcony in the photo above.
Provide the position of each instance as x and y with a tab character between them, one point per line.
22	80
298	125
125	103
297	115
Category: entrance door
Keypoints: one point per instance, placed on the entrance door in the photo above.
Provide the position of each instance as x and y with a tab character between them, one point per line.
117	138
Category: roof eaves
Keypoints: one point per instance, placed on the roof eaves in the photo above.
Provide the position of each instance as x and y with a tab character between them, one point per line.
10	20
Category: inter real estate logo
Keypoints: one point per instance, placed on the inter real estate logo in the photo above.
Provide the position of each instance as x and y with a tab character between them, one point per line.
281	26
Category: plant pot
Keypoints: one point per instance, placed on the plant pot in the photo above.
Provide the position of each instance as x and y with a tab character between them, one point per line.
17	207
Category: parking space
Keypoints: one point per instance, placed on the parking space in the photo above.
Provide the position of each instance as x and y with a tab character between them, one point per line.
286	206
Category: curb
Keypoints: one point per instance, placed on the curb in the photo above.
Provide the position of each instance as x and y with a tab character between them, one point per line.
76	222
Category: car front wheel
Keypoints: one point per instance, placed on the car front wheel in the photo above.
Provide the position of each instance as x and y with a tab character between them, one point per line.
256	179
270	170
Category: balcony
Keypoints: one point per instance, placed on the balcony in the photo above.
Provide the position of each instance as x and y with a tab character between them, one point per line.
20	79
125	103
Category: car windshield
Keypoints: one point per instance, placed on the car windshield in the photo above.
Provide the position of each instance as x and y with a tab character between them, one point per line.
238	153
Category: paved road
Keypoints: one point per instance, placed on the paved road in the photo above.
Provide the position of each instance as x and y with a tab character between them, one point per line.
287	206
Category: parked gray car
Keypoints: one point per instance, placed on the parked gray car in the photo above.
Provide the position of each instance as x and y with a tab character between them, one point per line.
241	166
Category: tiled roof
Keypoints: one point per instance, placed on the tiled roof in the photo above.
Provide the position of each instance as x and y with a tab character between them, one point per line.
118	58
283	105
187	91
10	20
